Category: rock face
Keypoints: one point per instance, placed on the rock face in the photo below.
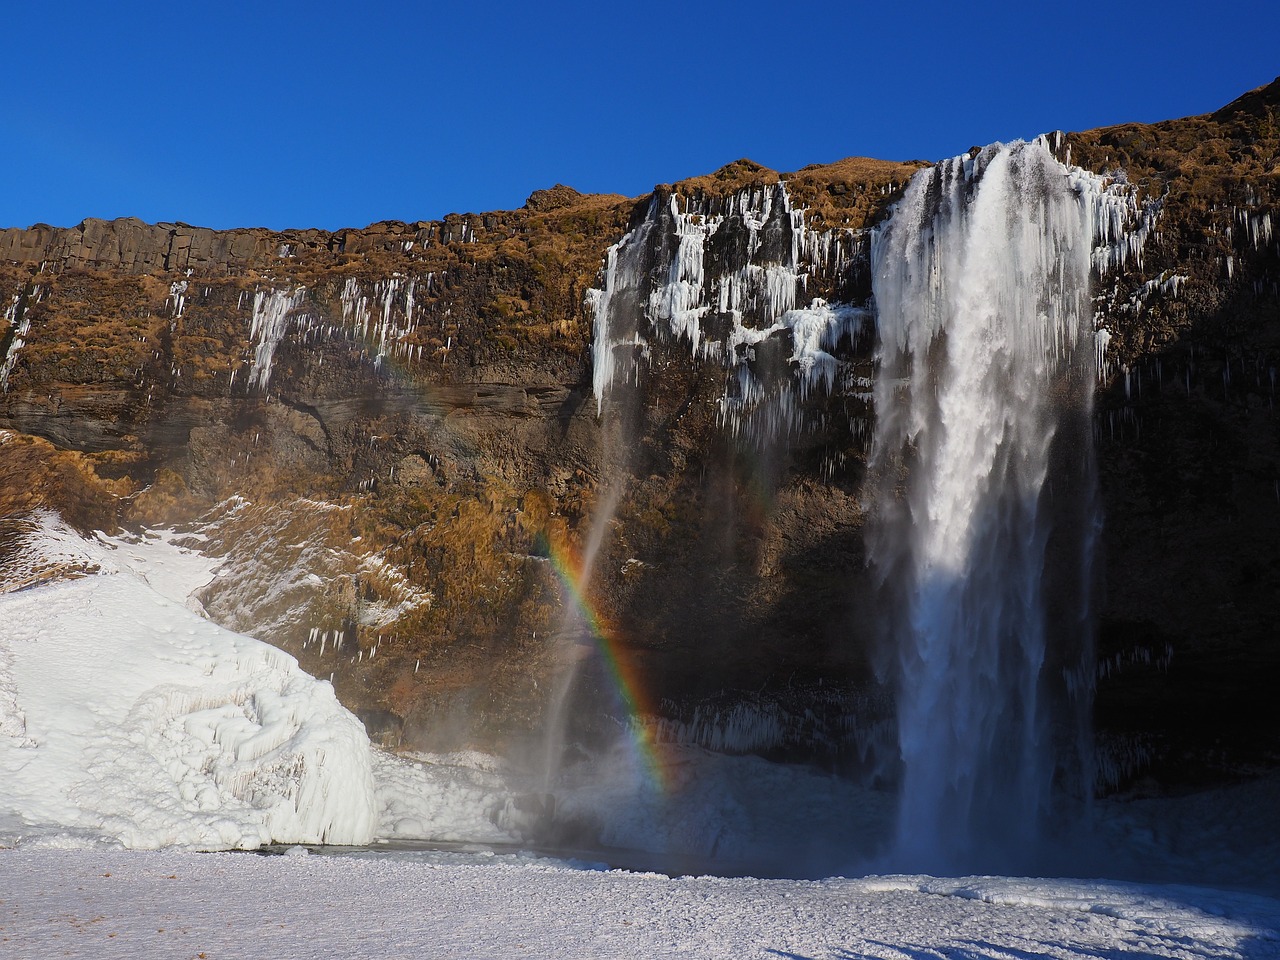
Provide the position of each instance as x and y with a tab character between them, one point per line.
1187	441
392	436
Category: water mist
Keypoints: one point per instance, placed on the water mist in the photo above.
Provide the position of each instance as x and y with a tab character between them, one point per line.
616	339
987	511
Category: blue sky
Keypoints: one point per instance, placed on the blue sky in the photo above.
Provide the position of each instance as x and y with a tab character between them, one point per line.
333	114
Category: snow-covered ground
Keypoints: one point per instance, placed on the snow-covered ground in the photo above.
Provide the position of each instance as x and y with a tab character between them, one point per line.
167	904
128	720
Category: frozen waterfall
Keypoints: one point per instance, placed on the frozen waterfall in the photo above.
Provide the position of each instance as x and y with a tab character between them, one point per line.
987	515
729	277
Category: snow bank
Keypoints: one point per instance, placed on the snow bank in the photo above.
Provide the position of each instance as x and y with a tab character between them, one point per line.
127	718
1182	914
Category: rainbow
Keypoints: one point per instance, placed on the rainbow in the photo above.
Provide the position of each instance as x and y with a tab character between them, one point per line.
571	573
625	677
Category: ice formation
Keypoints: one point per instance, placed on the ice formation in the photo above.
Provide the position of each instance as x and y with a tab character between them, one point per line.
125	717
17	318
828	725
727	276
386	318
383	321
272	311
987	360
1255	225
177	297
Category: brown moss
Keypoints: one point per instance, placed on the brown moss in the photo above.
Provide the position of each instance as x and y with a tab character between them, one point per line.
164	502
34	474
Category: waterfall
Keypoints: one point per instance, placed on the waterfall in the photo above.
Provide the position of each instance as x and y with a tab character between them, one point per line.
986	514
981	475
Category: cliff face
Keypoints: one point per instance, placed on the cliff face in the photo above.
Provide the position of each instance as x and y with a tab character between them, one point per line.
391	436
1187	433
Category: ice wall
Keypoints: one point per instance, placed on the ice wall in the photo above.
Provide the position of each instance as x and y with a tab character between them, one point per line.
986	512
729	277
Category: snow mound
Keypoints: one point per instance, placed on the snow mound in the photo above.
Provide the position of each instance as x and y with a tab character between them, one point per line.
127	718
39	549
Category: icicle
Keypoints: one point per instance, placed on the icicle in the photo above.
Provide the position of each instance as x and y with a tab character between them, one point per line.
271	314
760	295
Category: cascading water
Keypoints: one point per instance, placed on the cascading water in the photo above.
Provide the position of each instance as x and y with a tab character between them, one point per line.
987	512
616	340
576	632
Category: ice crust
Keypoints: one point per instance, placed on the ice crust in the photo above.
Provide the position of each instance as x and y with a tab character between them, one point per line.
117	905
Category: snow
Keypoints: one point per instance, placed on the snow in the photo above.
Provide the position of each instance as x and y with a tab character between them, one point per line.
1222	837
132	720
400	596
126	718
112	904
300	540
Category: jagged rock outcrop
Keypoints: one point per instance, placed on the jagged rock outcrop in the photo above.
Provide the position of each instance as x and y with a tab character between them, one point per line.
409	409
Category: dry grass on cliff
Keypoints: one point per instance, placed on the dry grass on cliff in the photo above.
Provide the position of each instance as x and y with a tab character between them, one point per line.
34	474
1195	160
852	193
